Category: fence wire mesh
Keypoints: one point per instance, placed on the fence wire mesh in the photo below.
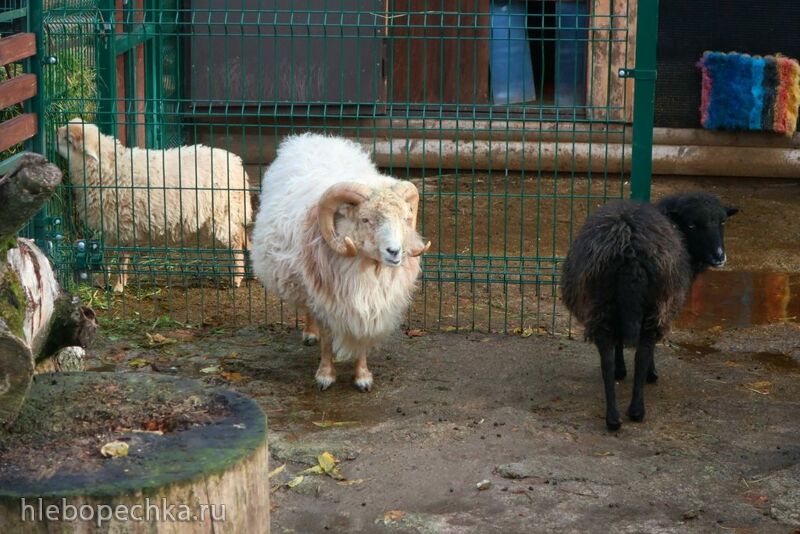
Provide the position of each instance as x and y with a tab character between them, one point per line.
508	116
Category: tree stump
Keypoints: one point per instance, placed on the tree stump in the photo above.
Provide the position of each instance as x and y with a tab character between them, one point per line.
196	462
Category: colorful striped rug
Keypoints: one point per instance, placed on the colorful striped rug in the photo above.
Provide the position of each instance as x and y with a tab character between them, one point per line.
744	92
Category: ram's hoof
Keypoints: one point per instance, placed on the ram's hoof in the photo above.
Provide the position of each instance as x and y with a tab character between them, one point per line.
620	374
613	425
652	378
364	383
324	381
309	339
636	413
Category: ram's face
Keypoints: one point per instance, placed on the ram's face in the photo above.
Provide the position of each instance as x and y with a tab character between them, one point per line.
78	140
380	227
703	226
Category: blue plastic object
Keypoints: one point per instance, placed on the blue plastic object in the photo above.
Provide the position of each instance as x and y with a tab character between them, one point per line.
571	44
511	67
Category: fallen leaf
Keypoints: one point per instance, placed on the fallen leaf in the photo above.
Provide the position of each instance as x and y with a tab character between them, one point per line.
316	470
762	386
158	339
209	370
276	471
114	449
415	332
394	515
138	362
234	376
328	464
328	424
295	481
449	329
156	432
183	335
756	499
528	332
352	482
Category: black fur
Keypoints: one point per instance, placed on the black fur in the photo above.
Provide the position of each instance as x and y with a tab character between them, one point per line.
628	273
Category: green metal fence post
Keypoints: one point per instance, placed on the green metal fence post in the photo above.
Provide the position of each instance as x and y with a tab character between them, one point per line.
644	99
36	105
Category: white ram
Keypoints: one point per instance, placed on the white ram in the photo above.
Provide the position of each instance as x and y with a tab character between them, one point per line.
186	196
338	238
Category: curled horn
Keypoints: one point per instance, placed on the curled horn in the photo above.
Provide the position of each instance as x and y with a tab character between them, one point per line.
336	195
409	192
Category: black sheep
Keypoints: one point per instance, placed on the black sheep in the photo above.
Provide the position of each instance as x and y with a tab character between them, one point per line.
628	274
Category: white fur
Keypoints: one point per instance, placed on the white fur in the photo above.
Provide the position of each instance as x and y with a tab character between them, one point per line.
358	300
140	197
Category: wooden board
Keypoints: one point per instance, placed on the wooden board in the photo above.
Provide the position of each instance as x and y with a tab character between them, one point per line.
428	63
304	53
17	47
612	46
17	90
17	130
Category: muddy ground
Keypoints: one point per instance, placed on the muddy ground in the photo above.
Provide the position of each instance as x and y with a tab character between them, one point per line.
719	450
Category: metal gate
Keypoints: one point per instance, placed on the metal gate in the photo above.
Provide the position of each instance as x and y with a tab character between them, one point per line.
514	118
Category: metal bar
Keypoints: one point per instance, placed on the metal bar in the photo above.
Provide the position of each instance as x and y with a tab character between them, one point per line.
106	61
644	100
14	14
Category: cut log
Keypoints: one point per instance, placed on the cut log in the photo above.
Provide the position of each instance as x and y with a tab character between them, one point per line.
192	449
36	318
24	191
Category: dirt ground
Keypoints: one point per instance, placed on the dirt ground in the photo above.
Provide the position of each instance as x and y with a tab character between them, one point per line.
484	432
521	223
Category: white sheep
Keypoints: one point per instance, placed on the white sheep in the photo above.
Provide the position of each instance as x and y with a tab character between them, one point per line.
186	196
338	238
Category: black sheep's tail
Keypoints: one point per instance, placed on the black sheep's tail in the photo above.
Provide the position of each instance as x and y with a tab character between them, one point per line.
630	292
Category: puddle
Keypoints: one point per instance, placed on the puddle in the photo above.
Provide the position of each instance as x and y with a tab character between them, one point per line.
108	367
771	361
777	361
736	299
696	349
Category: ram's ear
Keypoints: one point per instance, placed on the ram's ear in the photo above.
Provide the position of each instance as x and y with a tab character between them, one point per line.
731	211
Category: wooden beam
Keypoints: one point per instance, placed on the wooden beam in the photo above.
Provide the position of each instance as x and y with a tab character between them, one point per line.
17	47
17	90
17	130
612	46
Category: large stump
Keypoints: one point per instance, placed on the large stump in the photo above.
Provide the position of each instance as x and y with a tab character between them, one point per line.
192	450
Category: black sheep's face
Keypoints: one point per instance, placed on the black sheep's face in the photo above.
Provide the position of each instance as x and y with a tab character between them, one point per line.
705	233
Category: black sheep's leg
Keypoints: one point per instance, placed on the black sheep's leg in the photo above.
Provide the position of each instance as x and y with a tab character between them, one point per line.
652	376
620	372
606	351
644	361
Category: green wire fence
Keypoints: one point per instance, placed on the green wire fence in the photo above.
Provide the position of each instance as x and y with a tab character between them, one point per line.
514	118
